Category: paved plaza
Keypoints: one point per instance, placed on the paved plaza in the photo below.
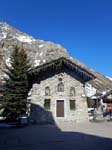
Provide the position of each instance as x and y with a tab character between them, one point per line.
64	136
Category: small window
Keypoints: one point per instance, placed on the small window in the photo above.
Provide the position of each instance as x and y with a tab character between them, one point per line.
47	91
60	87
47	104
72	91
72	105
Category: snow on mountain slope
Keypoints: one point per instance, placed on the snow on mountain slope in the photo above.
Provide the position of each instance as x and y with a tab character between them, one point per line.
7	30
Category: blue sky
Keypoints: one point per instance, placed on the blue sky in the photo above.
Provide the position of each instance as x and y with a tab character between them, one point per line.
83	27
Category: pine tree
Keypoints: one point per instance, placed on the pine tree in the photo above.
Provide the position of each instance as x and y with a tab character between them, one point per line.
16	85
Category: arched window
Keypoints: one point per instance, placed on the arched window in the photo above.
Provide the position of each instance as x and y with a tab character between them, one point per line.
72	91
60	87
47	91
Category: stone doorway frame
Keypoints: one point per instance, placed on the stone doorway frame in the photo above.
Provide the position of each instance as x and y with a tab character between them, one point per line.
60	118
60	112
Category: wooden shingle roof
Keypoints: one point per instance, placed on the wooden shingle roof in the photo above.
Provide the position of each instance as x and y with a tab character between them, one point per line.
63	62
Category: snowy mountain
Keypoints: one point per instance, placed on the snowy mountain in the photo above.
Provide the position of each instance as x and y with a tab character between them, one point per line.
7	30
40	52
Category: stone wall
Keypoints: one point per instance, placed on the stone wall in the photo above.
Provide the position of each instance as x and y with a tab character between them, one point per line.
38	96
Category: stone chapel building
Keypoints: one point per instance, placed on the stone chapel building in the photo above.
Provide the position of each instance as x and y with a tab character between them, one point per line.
57	91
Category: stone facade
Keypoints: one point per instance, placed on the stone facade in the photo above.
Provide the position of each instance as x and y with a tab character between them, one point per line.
38	95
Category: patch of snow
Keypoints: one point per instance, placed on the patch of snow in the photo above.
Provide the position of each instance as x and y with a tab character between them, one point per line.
94	97
92	69
36	63
30	92
5	27
71	57
44	60
1	118
41	54
91	109
24	38
8	62
90	91
5	76
104	92
4	34
40	46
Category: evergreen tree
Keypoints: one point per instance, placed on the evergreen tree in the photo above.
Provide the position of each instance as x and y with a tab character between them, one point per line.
16	85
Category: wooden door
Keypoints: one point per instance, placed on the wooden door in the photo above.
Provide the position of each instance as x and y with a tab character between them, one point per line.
60	108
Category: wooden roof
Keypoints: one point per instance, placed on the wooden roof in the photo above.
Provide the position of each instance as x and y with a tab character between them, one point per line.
63	62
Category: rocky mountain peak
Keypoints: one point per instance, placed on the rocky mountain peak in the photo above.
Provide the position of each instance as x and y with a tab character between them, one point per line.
7	31
38	51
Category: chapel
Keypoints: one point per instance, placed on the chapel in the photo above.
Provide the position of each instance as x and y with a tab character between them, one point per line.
57	91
